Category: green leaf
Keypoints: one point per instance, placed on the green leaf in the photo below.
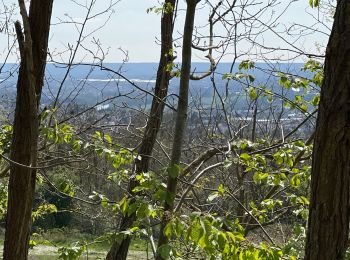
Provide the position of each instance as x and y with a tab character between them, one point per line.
196	232
123	204
76	145
239	76
252	93
227	76
314	3
259	177
132	208
169	198
32	244
104	202
164	251
222	240
221	189
304	108
66	188
246	64
168	230
316	100
108	139
143	211
174	171
245	156
295	181
179	228
251	78
298	99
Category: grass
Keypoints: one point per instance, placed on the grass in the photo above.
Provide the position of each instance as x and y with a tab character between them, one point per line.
48	243
132	256
67	237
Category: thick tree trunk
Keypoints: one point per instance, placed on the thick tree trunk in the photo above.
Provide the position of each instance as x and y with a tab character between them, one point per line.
25	132
181	117
328	226
119	250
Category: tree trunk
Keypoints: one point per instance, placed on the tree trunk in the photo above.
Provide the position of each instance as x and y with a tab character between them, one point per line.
119	250
328	226
25	130
181	118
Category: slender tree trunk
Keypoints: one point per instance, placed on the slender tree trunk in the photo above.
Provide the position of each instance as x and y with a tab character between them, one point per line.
119	250
181	117
328	225
33	47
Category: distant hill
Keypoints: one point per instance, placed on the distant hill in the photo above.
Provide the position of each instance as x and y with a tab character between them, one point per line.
87	85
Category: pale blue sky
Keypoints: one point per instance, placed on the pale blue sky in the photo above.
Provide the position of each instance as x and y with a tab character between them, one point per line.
135	31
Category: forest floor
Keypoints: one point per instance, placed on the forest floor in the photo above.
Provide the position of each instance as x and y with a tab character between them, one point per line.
49	242
43	252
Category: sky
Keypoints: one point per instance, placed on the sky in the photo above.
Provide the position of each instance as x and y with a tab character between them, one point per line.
135	31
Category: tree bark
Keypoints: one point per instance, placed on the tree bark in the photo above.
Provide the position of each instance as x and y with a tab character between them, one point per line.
33	47
119	250
328	225
181	118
